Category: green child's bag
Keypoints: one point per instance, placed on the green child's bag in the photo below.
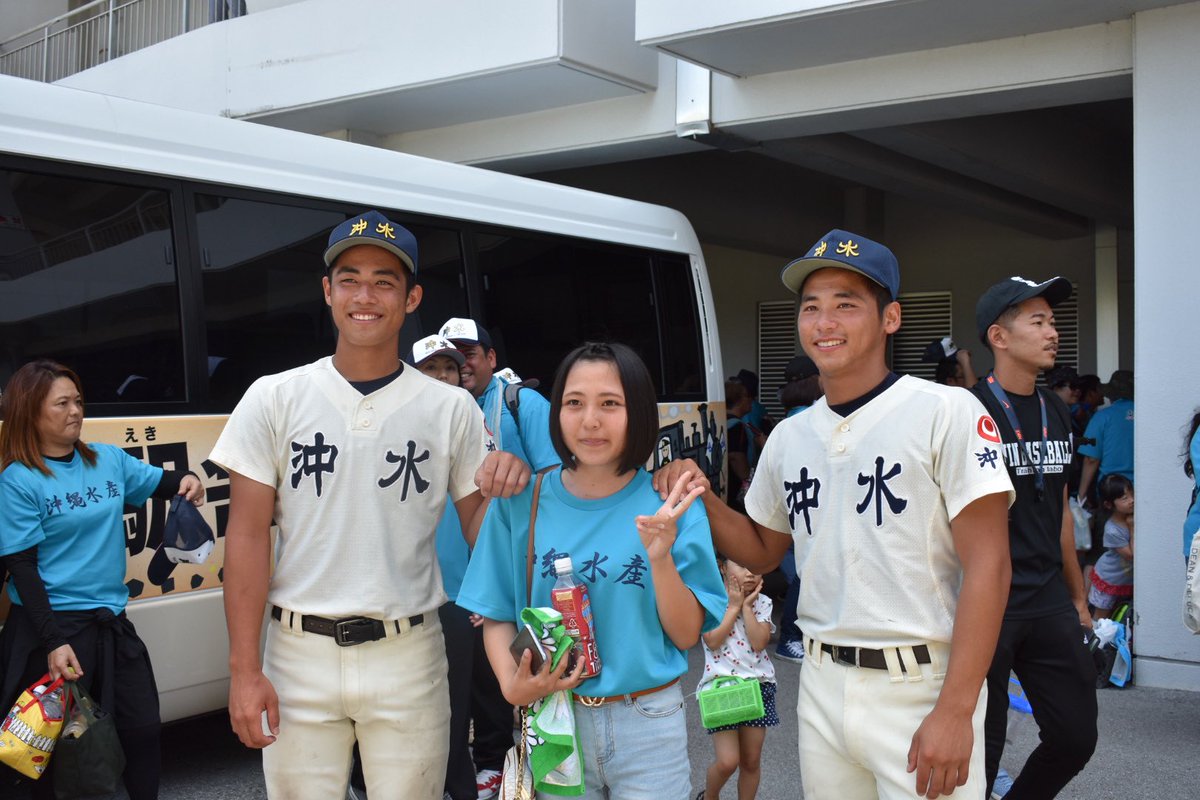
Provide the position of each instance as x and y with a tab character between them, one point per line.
730	700
89	759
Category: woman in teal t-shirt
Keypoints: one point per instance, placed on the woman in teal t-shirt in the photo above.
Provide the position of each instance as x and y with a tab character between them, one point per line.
62	502
648	565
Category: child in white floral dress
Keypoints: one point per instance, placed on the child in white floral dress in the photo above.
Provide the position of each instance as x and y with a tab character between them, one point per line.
738	646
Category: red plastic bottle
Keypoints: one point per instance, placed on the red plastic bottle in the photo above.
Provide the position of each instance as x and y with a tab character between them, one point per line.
569	597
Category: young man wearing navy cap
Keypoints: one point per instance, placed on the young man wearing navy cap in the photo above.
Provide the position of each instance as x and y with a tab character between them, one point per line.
352	457
1042	637
899	530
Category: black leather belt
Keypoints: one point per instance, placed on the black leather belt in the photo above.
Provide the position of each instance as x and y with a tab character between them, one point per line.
871	659
348	631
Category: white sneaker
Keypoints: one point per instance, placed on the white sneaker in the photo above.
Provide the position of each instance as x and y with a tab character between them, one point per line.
487	783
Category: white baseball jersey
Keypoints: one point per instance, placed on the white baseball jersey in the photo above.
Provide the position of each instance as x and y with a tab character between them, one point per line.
868	499
360	484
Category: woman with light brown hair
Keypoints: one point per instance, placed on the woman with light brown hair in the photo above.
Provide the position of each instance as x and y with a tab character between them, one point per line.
62	540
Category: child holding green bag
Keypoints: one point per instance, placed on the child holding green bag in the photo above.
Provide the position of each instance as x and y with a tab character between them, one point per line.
738	647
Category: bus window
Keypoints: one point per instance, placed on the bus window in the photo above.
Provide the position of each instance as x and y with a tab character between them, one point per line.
440	273
544	296
264	312
262	267
87	277
683	354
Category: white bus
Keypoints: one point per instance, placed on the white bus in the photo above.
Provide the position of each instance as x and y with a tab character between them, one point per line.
171	258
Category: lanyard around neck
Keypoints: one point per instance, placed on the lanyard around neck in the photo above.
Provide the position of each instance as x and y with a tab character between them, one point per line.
1039	478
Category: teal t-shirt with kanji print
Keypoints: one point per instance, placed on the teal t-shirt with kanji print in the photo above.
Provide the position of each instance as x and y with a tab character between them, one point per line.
602	540
75	517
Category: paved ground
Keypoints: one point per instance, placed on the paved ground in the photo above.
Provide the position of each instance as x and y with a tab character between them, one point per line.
1149	739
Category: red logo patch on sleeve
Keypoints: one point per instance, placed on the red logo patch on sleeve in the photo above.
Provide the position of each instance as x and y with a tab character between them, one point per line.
986	427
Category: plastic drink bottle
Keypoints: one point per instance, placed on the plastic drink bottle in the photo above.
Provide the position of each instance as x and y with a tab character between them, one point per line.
51	702
569	597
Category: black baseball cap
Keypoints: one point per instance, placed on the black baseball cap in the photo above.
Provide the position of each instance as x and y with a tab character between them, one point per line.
799	368
1014	291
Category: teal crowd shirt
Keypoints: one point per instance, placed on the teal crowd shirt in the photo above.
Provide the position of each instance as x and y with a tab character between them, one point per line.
452	550
75	517
531	441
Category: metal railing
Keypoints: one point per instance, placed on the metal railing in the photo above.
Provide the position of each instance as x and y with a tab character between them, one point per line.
103	30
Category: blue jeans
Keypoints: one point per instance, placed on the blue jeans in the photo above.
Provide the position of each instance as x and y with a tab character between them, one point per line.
636	749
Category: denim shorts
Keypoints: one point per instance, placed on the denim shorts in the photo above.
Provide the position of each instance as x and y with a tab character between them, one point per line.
636	748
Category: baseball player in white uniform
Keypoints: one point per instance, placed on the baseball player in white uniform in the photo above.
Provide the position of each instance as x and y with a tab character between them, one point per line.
352	457
898	515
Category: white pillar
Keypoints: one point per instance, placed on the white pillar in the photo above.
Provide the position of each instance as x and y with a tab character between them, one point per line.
1107	314
1166	166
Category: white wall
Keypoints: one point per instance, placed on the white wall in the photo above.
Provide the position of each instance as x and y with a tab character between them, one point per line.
1166	112
740	279
940	250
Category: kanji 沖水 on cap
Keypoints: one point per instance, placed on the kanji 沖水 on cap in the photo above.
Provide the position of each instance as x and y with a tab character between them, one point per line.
843	250
435	345
371	227
1014	291
468	331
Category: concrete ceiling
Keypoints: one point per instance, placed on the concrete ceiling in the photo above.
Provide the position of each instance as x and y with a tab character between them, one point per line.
828	33
1053	172
444	103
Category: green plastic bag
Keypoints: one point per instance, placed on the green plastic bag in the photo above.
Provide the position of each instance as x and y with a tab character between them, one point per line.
89	759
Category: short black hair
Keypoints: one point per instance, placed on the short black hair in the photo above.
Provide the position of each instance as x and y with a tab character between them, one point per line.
735	392
803	392
946	369
883	296
641	406
1113	488
1005	320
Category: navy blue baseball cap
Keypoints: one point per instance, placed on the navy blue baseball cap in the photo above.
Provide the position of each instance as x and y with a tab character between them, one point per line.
371	227
844	250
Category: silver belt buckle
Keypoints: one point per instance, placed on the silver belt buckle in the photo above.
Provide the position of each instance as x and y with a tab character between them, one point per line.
344	628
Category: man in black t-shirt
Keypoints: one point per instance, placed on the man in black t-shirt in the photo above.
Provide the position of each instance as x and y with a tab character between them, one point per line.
1042	638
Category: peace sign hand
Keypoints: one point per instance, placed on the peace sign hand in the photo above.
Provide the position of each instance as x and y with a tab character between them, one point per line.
658	532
